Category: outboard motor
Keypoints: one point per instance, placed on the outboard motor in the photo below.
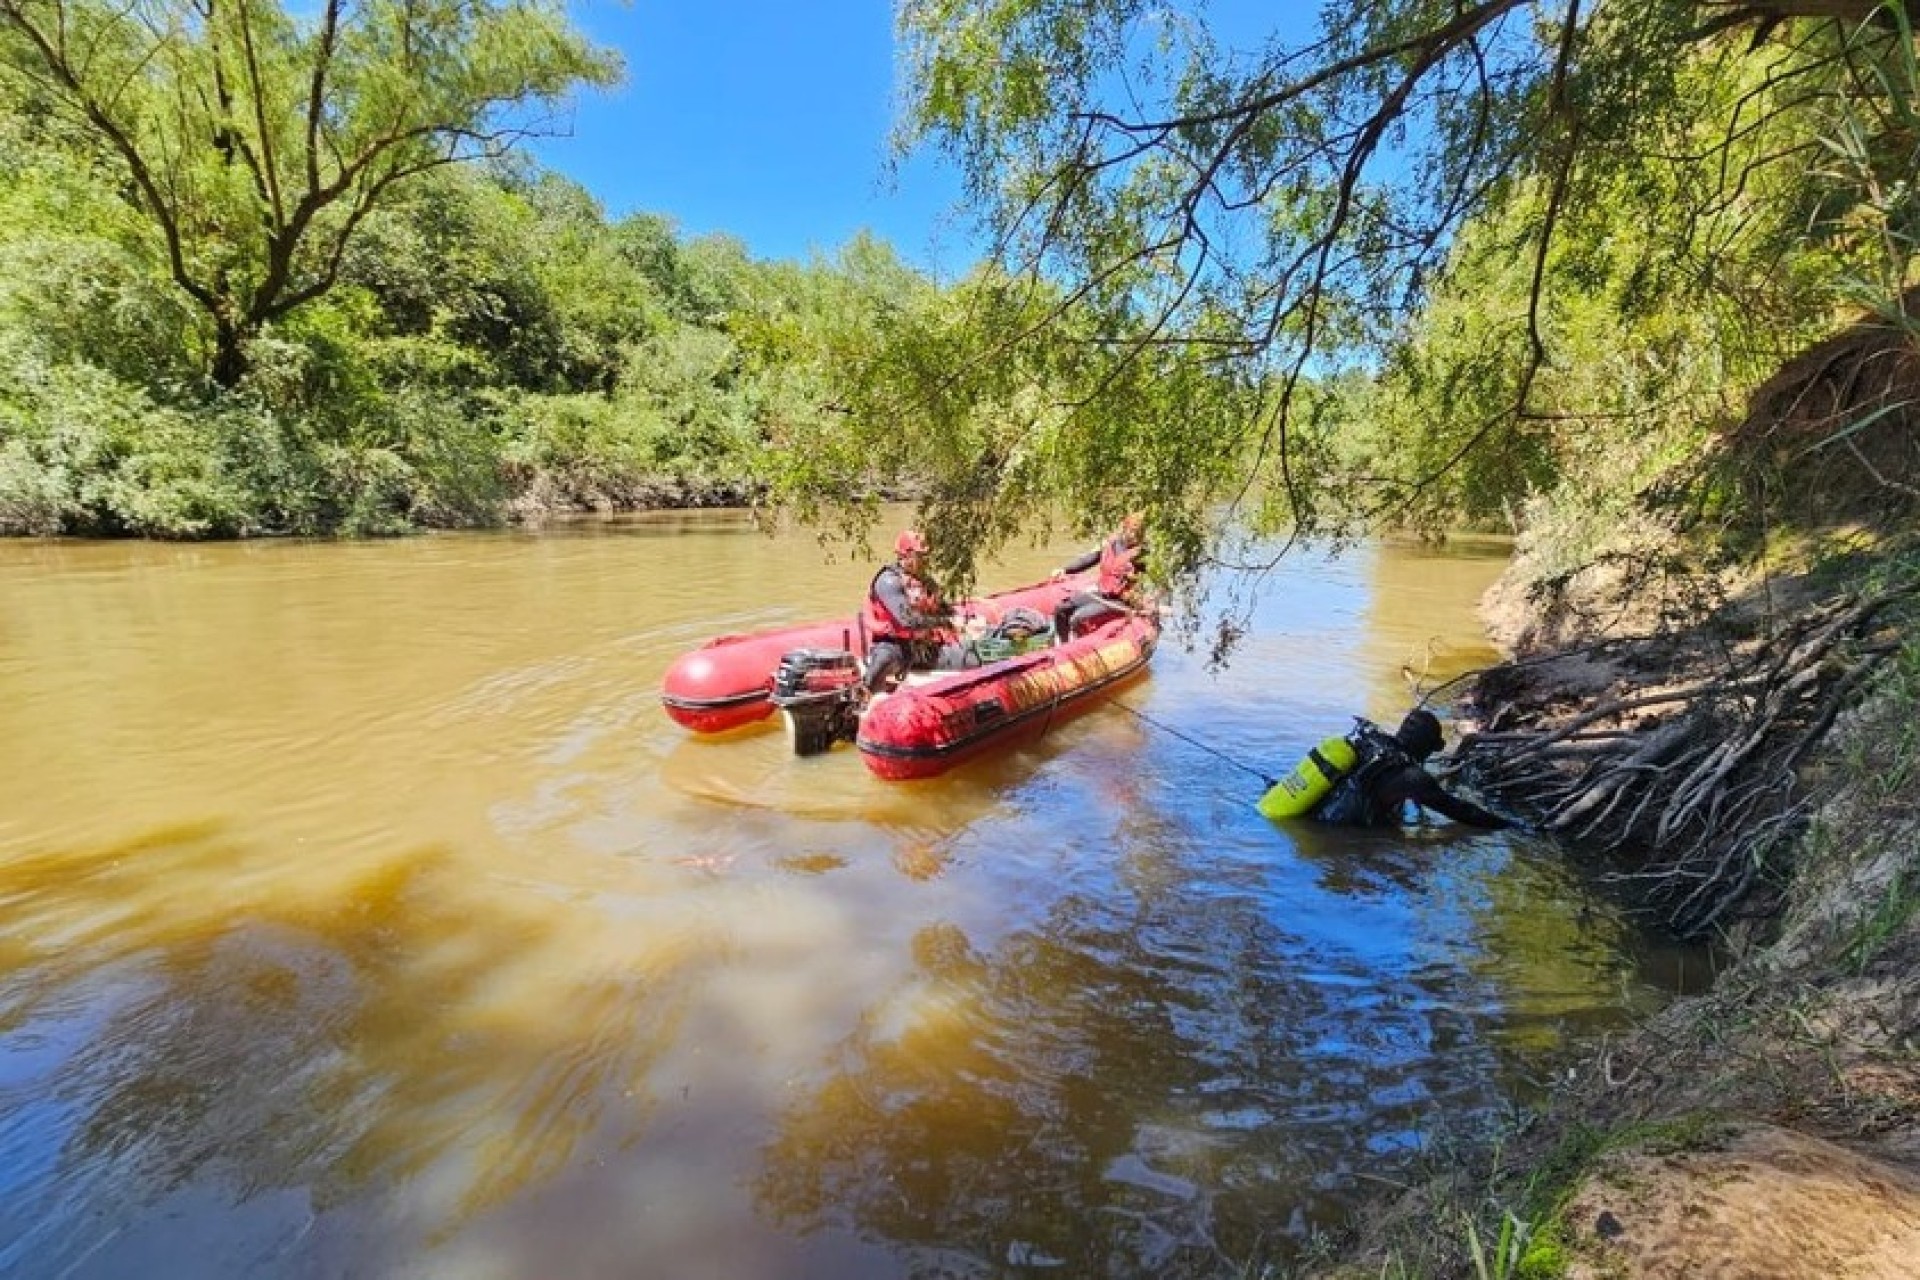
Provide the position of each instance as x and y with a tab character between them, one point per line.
817	691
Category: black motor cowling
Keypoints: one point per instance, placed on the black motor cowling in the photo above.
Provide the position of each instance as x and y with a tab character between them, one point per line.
817	691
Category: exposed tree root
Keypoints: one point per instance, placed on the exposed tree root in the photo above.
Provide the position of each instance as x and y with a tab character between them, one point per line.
1698	783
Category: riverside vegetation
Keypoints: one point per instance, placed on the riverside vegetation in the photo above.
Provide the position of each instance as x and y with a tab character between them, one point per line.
1634	281
274	273
1723	720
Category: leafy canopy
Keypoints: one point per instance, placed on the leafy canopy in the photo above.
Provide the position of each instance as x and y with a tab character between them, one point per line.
255	141
1282	217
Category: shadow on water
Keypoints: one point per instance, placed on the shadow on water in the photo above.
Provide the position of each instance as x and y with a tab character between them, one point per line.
1026	1106
1101	1089
1371	863
431	948
292	1063
755	767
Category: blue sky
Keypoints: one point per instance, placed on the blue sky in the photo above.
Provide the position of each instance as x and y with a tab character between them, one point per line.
760	119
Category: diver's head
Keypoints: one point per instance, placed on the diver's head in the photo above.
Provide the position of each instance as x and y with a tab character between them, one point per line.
1420	733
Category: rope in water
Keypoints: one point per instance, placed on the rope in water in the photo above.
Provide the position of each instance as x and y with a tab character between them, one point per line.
1191	741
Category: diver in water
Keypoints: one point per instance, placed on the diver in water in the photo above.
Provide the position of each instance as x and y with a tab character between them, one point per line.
1369	778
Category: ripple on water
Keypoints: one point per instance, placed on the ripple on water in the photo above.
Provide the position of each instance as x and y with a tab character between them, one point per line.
366	914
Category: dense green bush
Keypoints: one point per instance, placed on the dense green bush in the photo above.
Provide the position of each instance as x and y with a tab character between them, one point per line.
493	346
82	451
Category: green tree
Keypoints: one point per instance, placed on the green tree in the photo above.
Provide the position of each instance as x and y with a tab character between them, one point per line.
1281	210
257	142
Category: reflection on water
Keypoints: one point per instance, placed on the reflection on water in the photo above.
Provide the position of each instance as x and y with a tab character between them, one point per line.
366	916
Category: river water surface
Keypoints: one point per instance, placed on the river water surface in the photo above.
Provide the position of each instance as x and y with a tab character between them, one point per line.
364	915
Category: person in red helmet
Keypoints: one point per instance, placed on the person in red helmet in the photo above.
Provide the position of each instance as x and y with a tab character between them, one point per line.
906	623
1121	587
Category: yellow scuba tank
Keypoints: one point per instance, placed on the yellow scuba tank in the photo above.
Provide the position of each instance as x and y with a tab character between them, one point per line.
1311	779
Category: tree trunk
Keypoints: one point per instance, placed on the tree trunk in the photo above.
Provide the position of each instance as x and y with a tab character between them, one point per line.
229	354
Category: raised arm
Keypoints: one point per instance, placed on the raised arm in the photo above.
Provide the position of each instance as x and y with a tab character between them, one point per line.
1081	563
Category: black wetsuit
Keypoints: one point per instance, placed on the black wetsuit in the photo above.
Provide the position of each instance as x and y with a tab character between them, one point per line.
1376	791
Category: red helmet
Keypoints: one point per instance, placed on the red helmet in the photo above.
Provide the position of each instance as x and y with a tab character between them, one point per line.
909	543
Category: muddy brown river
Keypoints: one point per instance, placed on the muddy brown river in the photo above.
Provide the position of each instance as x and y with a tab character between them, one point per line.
365	916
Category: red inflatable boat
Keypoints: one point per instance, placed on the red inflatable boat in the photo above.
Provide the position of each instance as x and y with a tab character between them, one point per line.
928	728
811	675
728	682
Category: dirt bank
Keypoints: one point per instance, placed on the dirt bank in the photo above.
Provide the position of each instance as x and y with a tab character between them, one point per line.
1729	726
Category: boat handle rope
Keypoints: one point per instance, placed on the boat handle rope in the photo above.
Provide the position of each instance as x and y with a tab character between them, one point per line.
1265	777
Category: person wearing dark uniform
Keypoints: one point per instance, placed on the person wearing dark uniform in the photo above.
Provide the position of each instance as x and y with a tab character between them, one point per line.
1123	563
1378	789
1375	778
905	622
